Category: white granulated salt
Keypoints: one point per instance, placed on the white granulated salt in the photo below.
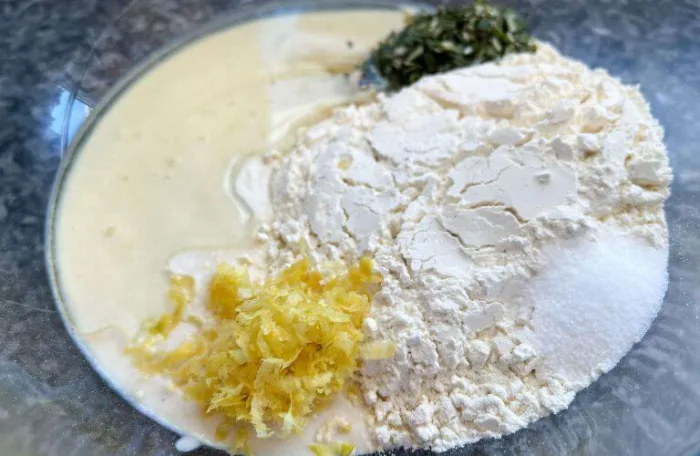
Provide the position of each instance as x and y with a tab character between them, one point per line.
620	279
515	211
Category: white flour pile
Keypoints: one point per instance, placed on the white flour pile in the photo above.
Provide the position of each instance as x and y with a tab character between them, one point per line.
515	211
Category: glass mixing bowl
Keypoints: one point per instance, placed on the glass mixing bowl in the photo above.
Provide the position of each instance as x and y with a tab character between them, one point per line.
648	405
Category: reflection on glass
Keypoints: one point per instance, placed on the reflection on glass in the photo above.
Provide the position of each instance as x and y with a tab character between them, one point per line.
68	115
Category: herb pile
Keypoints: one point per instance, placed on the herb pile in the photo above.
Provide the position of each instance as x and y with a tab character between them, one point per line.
447	39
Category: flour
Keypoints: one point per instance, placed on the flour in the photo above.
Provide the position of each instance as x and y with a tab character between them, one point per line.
515	211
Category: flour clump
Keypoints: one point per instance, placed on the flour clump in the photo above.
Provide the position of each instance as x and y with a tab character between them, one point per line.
472	191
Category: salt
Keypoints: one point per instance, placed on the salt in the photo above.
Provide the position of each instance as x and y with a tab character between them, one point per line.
597	297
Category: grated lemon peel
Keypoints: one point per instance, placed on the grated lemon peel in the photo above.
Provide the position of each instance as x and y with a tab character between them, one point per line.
332	449
181	293
378	349
276	351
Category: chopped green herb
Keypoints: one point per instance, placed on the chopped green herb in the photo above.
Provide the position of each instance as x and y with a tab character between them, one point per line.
447	39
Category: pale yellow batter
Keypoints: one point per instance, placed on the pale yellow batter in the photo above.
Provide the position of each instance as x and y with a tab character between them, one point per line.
154	179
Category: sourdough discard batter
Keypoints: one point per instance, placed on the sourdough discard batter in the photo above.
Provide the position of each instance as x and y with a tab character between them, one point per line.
152	180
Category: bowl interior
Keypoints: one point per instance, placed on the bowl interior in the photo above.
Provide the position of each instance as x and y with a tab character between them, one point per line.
646	405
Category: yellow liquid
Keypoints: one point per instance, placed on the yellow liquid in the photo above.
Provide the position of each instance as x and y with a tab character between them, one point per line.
153	179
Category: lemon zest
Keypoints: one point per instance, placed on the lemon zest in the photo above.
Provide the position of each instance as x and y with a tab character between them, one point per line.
276	351
332	449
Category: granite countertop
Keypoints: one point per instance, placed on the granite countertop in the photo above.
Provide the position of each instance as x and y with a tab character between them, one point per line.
62	53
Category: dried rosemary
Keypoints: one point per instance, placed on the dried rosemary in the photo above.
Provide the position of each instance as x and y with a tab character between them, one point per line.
447	39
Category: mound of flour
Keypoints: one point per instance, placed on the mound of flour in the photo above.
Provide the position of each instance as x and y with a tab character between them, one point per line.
515	211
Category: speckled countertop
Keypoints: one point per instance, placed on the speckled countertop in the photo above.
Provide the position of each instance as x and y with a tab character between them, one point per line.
60	53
